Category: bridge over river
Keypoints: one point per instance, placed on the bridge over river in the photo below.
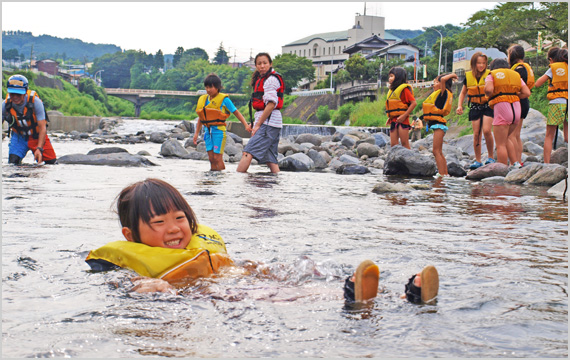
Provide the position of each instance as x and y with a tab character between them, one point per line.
139	97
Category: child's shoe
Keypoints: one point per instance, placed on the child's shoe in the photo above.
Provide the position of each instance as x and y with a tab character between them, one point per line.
475	165
517	165
427	289
490	161
437	176
365	284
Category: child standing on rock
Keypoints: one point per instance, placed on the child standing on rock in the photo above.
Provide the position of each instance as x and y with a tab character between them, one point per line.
213	109
435	108
400	103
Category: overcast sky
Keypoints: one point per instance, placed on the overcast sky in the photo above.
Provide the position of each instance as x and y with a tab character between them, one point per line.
150	26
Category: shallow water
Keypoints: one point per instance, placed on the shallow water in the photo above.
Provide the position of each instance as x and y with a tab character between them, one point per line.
501	252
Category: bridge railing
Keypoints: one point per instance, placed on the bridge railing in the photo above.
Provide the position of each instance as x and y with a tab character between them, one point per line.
357	88
313	92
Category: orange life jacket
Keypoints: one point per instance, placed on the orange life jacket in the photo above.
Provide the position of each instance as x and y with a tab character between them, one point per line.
394	104
558	87
25	124
476	89
530	73
432	112
213	114
506	86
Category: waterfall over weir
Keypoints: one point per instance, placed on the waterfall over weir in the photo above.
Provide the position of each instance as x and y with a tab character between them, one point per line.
327	129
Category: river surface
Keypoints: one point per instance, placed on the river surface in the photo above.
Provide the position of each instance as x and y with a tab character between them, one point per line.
501	252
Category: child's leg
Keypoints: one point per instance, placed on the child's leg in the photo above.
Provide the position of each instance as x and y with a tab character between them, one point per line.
244	162
440	161
404	134
511	149
218	164
273	167
477	135
488	134
394	137
566	131
501	134
548	139
517	141
212	160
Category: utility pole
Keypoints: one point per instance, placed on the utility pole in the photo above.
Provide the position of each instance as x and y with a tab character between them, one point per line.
445	61
31	54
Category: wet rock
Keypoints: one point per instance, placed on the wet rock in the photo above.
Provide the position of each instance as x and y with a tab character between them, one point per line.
455	170
308	138
349	140
186	126
371	150
318	159
532	148
494	180
349	159
549	175
286	146
114	159
326	156
519	176
143	153
384	187
489	170
337	136
107	150
296	162
172	147
196	155
350	169
560	189
403	161
158	137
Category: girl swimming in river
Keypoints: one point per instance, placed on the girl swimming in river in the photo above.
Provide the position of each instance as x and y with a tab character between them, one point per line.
168	249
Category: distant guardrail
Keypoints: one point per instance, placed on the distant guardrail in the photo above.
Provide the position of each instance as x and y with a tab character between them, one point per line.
313	92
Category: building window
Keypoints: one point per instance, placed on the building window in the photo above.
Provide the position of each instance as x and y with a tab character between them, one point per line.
304	52
339	50
403	56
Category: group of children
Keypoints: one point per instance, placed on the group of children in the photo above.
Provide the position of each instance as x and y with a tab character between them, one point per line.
498	103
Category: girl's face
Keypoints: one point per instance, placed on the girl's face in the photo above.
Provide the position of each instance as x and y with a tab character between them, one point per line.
262	65
436	85
212	91
170	230
481	64
391	78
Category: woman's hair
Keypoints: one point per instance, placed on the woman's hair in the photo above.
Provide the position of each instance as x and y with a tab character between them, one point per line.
516	53
400	77
474	59
256	75
213	80
561	56
499	64
553	52
448	83
148	198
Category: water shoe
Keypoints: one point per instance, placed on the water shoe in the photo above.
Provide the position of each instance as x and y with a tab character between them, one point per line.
429	285
475	165
365	284
489	161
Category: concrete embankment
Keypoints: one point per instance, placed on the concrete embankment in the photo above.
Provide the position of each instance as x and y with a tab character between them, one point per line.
70	123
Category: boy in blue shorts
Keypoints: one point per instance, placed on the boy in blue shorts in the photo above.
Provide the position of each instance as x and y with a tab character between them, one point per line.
213	109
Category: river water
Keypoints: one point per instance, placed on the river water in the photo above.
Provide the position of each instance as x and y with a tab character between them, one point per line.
501	252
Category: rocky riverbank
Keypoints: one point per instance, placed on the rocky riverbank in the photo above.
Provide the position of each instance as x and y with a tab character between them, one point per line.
353	152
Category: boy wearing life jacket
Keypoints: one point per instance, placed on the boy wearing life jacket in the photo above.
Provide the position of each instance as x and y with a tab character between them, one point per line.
480	114
435	108
26	117
557	75
400	103
504	88
213	109
516	61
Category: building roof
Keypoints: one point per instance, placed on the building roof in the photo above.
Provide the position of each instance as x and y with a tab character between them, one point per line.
387	48
328	37
372	42
389	36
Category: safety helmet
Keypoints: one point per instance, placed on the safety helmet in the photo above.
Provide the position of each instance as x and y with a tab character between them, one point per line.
17	84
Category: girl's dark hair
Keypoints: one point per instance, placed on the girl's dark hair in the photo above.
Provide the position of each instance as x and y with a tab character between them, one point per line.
499	64
148	198
256	75
516	53
448	83
213	80
400	77
553	52
474	59
561	56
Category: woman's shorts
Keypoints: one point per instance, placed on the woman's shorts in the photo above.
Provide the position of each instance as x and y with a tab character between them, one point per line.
507	113
215	139
394	125
263	146
476	111
434	125
557	114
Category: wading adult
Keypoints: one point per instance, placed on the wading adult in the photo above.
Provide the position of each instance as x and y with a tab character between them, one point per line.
26	117
267	99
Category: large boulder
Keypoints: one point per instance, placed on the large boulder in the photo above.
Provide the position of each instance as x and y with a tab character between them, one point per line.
381	139
559	156
549	175
158	137
489	170
560	189
368	149
351	169
349	140
403	161
455	170
107	150
296	162
172	147
532	148
113	159
349	160
308	138
519	176
318	159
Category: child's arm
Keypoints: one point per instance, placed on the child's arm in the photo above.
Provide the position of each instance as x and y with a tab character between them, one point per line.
197	132
411	107
489	87
525	92
242	120
541	80
447	78
146	285
459	110
268	110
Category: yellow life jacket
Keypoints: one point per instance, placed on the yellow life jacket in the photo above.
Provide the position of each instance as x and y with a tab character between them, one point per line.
432	112
530	77
558	87
213	114
506	86
476	89
203	256
394	105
